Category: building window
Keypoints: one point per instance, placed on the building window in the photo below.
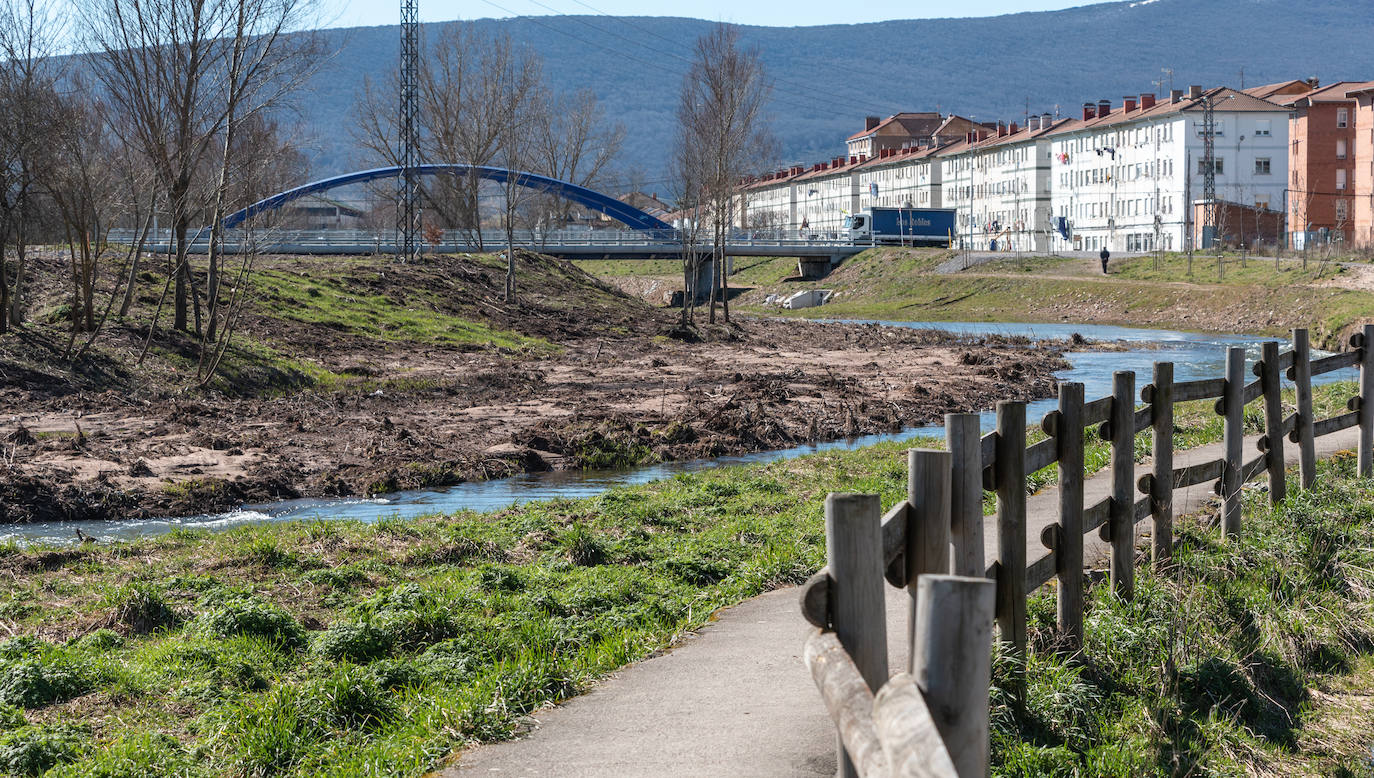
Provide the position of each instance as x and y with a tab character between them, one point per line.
1262	202
1262	128
1261	166
1342	117
1340	179
1218	166
1340	148
1342	211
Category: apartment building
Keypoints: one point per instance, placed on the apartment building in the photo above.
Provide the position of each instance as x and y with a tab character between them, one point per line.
900	178
1362	166
999	184
1123	178
906	130
1321	157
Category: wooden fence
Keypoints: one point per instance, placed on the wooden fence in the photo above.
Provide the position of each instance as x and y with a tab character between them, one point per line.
932	719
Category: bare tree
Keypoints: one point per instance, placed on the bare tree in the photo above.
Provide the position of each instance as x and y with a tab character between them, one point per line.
180	73
720	113
573	143
28	99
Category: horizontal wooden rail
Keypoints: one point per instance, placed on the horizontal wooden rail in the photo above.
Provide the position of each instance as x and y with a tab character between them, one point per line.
988	446
1201	473
849	701
1040	455
911	741
1144	419
1206	389
1254	467
894	543
1286	360
1333	363
1095	515
1335	424
1097	411
1251	392
1039	572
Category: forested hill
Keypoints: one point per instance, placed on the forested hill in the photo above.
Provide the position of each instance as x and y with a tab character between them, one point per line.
827	78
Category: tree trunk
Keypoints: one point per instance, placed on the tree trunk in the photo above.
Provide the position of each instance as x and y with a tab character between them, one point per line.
16	310
4	292
180	272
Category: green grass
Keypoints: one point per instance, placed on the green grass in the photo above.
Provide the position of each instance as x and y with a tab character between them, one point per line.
899	285
397	315
350	648
346	648
1208	670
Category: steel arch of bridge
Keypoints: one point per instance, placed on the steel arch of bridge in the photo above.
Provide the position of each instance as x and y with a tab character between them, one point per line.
632	217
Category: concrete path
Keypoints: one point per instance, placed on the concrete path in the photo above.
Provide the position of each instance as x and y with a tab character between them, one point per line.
735	699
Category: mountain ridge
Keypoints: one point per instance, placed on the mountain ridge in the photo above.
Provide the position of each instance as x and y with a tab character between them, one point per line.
827	78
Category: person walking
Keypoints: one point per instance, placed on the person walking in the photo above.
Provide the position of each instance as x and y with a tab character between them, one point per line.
1105	255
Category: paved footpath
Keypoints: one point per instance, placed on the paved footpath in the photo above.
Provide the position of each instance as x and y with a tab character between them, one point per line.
735	699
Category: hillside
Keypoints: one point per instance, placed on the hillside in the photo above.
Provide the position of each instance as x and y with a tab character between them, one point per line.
829	77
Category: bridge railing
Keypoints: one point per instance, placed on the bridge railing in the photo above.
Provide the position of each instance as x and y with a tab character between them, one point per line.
462	240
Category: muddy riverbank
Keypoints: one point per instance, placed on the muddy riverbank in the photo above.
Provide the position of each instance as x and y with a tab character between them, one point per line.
455	415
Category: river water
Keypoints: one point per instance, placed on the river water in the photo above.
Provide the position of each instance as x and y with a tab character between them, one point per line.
1194	355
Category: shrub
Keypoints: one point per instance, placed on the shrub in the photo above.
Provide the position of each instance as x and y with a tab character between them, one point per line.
582	546
351	698
252	617
101	640
31	683
35	750
141	609
11	717
356	642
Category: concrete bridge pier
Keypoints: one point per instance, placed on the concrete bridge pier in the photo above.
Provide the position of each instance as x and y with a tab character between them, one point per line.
814	268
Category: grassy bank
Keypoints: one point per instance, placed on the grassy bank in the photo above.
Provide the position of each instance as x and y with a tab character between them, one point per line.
344	648
1245	658
902	285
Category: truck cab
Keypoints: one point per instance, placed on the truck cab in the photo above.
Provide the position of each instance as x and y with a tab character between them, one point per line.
859	227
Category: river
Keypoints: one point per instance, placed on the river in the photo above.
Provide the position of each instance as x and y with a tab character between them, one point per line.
1194	355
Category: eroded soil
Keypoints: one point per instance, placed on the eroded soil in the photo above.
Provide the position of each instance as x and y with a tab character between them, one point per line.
461	416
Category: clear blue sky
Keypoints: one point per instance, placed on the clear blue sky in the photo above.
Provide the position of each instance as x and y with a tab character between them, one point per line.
779	13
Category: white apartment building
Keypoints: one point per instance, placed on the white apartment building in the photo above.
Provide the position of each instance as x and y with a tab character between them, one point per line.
900	178
1000	187
1124	178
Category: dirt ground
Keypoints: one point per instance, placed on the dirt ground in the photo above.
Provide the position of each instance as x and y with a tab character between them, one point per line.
617	383
479	415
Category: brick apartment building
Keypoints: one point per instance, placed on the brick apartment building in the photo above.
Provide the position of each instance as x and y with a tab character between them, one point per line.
1362	194
1322	158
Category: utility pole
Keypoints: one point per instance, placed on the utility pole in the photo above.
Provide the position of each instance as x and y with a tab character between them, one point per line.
408	185
1170	73
1209	172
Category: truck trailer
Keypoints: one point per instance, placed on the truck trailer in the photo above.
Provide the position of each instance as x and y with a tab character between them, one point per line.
901	226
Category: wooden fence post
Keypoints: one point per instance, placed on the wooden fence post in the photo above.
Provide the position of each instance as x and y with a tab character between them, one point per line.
952	663
1233	435
1161	402
963	433
1068	545
1010	469
1122	517
854	554
1268	370
1302	379
1366	451
927	527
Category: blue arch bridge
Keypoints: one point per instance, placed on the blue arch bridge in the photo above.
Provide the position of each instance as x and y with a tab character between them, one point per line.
645	237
